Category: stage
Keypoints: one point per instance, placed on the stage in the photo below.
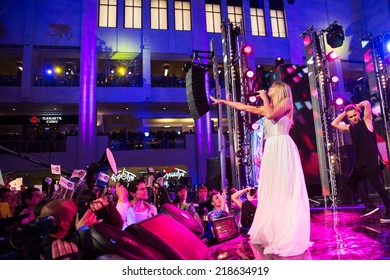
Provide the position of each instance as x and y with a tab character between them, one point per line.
337	234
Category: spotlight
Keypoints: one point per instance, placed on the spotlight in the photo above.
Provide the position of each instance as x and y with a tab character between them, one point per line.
255	126
279	60
332	56
249	73
386	48
146	134
335	35
49	71
247	49
339	101
252	98
334	79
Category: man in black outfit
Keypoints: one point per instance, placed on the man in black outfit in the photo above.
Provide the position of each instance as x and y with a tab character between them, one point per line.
367	156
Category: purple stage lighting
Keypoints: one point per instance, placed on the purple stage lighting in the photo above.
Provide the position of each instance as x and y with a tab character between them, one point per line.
339	101
334	79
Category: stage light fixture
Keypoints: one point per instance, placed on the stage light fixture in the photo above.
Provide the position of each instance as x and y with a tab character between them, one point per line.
335	35
146	133
255	126
247	49
252	98
388	45
339	101
279	60
249	73
332	56
334	79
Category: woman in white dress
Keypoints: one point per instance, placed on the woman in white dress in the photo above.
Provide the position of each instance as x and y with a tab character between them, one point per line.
282	221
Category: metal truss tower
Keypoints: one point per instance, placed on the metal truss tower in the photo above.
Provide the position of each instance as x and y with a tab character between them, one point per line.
240	137
327	139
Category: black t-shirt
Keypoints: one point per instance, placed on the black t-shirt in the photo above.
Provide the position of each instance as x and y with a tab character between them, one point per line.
365	145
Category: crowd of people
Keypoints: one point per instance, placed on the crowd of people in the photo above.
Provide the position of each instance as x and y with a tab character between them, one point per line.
61	218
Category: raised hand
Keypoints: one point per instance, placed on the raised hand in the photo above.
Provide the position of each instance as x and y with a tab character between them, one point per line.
216	101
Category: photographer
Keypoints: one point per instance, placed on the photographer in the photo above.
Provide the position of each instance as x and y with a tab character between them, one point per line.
157	193
238	204
68	227
105	211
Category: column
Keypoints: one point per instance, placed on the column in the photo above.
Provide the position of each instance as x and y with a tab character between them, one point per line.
87	103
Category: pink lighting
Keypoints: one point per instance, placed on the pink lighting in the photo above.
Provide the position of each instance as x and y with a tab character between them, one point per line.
331	56
339	101
252	99
250	74
247	50
334	79
255	126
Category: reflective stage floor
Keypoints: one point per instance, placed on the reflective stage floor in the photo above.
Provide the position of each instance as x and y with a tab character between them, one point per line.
337	234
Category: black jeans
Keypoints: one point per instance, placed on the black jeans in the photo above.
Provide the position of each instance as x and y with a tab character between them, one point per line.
374	175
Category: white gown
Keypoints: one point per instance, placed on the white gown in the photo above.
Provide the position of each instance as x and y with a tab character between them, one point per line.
282	220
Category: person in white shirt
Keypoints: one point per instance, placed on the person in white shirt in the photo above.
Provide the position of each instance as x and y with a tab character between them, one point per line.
140	210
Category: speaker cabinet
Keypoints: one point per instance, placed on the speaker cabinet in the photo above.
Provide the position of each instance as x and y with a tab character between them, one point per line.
196	92
169	237
110	240
248	211
213	176
184	218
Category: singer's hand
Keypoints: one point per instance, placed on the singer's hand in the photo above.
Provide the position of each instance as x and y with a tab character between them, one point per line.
263	94
216	101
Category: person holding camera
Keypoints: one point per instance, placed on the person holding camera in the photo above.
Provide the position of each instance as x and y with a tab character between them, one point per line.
157	193
123	203
237	204
181	202
67	222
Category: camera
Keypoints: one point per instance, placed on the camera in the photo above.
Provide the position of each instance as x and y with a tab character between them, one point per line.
157	174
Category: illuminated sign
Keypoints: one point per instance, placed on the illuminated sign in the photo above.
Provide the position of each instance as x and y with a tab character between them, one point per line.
130	174
35	119
124	175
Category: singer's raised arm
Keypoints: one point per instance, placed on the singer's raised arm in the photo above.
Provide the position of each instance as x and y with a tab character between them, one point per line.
239	106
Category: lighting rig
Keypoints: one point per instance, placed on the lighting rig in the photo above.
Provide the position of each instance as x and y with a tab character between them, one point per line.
321	87
376	53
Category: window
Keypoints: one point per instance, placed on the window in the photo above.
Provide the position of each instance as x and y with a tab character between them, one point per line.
133	14
182	15
257	18
234	11
213	17
159	14
278	21
107	13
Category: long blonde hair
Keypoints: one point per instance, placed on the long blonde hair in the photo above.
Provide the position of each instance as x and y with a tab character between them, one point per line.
283	91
